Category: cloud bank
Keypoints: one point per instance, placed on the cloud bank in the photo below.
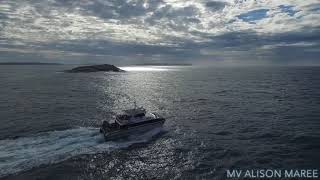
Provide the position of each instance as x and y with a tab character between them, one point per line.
238	31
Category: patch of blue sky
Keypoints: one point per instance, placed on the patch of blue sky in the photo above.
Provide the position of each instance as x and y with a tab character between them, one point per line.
288	9
254	15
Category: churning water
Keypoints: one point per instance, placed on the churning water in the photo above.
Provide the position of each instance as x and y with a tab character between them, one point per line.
53	147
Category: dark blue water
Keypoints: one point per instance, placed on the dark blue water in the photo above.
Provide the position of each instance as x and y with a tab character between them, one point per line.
218	119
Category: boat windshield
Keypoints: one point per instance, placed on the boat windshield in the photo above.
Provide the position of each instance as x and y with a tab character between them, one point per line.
123	117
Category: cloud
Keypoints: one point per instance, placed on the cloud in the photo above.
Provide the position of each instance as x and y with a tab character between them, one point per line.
215	5
172	29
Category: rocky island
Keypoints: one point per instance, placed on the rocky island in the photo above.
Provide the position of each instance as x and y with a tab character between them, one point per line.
95	68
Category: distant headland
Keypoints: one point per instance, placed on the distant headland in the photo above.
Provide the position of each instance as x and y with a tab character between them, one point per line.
95	68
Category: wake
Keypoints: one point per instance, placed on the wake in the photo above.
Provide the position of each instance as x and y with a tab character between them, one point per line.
52	147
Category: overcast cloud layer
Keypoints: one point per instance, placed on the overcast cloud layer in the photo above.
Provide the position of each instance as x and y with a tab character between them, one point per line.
232	31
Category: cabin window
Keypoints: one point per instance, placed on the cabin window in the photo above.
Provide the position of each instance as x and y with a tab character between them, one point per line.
139	115
124	127
123	117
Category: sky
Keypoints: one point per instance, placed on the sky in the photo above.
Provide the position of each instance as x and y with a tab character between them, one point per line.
243	32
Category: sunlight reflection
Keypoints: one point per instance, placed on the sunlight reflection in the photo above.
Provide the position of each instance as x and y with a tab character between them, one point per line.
145	68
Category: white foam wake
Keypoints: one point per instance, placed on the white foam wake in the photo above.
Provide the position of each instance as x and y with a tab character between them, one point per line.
52	147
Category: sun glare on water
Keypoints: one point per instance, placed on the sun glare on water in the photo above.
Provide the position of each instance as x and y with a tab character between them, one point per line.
145	68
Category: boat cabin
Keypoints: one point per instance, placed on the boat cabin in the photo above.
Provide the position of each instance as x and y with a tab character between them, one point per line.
125	119
129	116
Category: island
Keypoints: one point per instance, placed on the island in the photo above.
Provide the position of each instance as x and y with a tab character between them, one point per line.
95	68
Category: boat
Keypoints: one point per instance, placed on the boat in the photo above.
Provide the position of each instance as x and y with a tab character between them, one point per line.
131	121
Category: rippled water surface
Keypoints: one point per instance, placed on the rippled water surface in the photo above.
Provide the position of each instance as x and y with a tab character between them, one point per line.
217	119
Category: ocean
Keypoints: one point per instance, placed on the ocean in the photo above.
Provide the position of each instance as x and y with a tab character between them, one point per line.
218	119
